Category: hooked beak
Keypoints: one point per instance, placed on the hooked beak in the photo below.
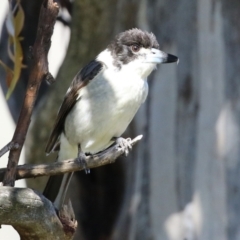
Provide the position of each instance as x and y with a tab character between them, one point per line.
156	56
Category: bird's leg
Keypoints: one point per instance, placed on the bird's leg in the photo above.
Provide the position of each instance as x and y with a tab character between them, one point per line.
82	159
123	143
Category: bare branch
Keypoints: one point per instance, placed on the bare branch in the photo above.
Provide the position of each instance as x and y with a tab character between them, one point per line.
38	72
71	165
8	147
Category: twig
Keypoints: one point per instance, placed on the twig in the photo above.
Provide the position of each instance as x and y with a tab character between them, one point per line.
8	147
38	72
71	165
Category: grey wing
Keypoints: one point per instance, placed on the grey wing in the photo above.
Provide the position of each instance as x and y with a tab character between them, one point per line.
89	72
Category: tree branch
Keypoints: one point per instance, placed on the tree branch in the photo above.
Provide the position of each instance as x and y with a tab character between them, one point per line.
8	147
71	165
34	215
38	72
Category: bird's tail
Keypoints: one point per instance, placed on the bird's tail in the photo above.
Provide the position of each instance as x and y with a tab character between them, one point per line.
57	186
56	189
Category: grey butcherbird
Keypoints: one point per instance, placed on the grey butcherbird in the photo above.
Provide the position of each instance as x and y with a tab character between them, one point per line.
102	100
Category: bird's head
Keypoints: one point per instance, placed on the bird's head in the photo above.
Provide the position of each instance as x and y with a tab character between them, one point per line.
138	50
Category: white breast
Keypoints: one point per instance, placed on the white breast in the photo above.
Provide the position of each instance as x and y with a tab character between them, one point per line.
105	108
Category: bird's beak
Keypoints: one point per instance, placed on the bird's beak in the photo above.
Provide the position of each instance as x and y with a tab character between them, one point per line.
156	56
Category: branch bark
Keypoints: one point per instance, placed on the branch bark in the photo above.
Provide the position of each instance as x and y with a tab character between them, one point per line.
38	72
71	165
34	215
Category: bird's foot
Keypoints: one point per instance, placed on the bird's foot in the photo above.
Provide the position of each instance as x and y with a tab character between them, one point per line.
123	144
82	160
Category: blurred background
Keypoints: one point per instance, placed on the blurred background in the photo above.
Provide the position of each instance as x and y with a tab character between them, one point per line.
182	181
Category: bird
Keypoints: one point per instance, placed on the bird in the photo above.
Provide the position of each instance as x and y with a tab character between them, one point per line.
101	101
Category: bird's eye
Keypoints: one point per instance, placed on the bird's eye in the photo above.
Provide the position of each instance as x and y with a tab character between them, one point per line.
135	48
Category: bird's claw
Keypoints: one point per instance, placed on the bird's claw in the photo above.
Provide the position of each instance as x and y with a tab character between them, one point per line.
83	162
124	144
